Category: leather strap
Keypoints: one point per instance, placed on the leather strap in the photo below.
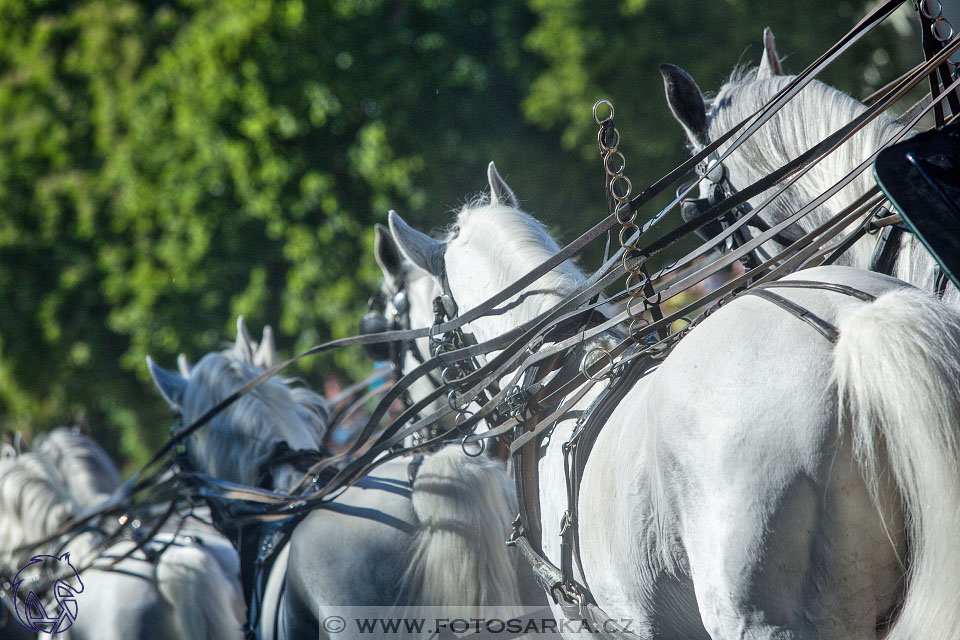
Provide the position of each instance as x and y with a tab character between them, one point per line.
931	46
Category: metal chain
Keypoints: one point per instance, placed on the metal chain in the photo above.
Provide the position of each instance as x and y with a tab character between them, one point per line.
453	371
936	32
619	188
940	27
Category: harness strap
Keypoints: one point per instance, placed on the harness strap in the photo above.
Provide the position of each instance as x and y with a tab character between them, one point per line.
859	30
580	446
825	286
526	458
573	608
888	247
825	329
931	46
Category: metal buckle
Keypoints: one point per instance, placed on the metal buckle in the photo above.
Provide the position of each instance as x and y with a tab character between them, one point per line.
712	169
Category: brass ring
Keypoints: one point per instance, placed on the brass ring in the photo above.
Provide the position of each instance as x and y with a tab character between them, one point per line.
606	163
631	253
625	242
626	194
462	417
634	289
628	219
632	329
632	312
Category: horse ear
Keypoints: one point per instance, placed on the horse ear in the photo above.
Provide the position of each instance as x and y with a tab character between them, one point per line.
244	345
20	443
65	557
82	427
266	355
770	62
686	102
183	365
170	384
387	253
500	193
418	247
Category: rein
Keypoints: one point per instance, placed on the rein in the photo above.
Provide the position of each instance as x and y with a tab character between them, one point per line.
527	346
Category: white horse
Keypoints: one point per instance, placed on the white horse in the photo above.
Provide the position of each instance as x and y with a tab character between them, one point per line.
815	113
762	482
384	544
403	281
189	590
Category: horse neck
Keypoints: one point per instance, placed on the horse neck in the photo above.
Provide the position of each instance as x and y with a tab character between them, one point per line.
814	114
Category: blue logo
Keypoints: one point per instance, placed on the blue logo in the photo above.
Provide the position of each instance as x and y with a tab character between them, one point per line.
27	604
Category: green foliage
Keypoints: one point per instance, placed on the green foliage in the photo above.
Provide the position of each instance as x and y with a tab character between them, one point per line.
165	166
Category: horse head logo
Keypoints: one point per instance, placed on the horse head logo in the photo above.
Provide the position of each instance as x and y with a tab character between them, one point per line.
27	603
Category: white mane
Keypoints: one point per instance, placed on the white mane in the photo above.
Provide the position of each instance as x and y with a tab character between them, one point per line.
235	444
507	243
87	470
815	113
64	475
34	502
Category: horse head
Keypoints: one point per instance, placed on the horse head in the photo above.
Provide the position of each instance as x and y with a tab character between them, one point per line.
491	245
238	443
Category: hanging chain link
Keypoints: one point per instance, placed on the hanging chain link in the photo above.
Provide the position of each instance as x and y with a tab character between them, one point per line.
452	373
940	27
619	188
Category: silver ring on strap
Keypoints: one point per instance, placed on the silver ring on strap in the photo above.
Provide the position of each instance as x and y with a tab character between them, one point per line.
599	103
482	444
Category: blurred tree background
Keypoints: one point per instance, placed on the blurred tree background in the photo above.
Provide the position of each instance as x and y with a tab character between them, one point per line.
167	165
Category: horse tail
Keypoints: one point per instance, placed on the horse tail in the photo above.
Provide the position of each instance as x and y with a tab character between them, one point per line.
897	368
460	558
207	602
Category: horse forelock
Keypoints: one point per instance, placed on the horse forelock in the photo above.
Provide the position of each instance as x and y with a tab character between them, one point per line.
239	439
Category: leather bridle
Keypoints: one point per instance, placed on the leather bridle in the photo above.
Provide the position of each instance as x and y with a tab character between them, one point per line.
720	189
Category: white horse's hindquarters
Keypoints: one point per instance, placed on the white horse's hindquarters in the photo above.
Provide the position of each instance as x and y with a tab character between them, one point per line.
622	539
745	480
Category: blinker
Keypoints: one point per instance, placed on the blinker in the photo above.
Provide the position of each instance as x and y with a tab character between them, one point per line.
693	208
375	322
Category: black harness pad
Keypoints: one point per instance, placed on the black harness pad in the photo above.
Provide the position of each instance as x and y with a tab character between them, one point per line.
921	177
